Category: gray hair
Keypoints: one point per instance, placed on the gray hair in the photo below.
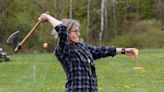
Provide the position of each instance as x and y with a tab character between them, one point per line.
71	24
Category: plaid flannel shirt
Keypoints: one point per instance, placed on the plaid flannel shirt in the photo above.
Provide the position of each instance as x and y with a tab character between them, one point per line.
76	59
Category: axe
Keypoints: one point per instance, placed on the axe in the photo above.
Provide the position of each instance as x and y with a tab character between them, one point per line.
14	37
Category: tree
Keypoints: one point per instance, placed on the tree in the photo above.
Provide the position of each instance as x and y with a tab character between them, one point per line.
160	13
102	20
70	9
88	18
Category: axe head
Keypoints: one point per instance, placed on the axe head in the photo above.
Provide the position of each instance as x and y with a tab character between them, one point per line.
14	39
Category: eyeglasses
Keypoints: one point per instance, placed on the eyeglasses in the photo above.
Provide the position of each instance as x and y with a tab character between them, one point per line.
75	30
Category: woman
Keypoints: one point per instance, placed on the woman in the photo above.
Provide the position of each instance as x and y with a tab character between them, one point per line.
77	58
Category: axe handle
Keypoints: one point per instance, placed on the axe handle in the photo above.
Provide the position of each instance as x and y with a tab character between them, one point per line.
28	35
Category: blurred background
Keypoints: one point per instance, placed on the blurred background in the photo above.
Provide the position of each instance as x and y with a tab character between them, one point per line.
123	23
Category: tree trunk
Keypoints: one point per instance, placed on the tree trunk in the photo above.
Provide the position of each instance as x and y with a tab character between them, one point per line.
70	9
88	19
102	21
106	14
114	23
160	13
114	9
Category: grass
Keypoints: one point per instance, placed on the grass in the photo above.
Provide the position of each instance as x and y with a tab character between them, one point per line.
43	73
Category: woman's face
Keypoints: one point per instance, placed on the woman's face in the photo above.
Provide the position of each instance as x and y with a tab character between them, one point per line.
74	35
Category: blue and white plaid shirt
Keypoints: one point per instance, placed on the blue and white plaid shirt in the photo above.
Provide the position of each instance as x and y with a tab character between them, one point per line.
77	61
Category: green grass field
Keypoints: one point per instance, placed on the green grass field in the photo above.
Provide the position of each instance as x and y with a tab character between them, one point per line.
43	73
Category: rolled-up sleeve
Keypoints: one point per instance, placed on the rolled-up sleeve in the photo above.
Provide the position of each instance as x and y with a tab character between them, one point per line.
102	51
62	34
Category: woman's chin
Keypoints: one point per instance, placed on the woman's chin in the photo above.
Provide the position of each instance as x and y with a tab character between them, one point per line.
75	41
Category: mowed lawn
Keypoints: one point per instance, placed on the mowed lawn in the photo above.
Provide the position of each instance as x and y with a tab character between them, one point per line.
43	73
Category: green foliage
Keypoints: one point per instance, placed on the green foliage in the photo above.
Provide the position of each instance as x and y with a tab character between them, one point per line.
145	34
121	19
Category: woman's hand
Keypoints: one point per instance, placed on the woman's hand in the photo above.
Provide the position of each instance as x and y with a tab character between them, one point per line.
43	17
132	52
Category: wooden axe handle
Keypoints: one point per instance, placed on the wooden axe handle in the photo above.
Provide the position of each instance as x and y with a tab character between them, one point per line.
28	35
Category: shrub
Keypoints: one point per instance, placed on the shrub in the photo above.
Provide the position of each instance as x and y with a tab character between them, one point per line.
144	34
